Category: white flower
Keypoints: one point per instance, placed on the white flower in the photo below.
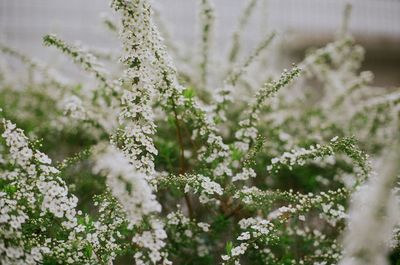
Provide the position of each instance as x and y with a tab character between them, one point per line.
244	175
188	233
210	187
204	226
73	106
42	158
225	257
244	236
239	250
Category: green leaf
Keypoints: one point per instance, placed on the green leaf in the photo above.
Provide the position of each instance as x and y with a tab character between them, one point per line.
236	153
228	247
188	93
10	189
88	251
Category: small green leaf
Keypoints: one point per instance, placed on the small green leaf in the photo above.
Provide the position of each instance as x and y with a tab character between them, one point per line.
10	189
189	93
228	247
88	251
236	153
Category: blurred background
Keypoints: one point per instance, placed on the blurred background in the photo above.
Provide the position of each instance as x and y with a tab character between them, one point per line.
374	23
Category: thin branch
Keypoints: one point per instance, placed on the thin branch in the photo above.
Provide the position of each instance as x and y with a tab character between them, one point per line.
182	158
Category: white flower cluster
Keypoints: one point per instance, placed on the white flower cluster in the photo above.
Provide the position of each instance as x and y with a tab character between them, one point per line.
246	194
206	187
256	228
301	155
374	213
36	164
245	174
236	252
204	226
129	186
319	152
37	189
73	106
192	231
333	212
248	132
136	116
103	234
134	193
153	241
210	187
245	135
328	202
295	157
176	218
341	53
216	150
17	142
55	200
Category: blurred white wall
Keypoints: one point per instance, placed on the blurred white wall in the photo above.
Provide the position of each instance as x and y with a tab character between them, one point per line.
23	22
375	23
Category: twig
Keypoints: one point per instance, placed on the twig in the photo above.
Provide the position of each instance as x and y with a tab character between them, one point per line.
182	159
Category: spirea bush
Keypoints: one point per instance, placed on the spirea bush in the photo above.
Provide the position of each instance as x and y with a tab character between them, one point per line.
212	162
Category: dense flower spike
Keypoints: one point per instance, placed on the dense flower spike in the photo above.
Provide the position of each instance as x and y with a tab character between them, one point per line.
299	157
375	207
136	116
126	184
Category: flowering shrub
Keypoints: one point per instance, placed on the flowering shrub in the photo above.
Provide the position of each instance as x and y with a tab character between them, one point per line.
153	165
